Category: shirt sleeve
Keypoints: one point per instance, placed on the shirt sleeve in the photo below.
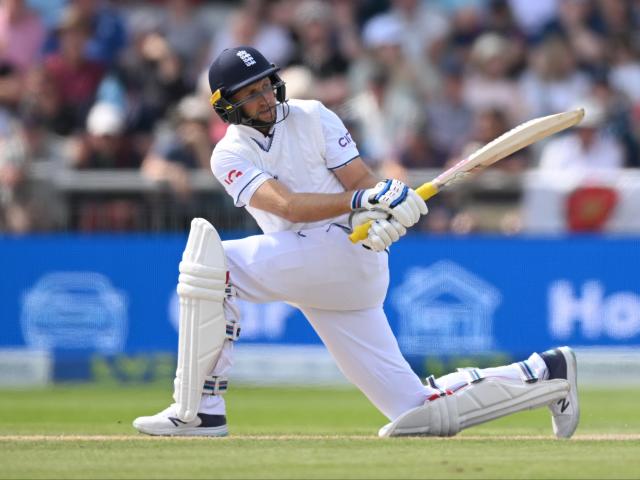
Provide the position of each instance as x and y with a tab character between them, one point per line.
340	148
239	177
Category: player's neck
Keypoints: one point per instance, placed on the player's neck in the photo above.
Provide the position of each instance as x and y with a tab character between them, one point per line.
266	131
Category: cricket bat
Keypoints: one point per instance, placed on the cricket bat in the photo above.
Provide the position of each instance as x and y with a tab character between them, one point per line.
510	142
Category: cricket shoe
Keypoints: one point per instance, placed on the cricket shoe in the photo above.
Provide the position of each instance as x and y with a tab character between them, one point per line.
168	423
565	413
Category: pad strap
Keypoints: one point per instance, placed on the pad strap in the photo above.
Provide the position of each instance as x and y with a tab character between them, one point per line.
215	385
526	373
473	374
431	380
233	330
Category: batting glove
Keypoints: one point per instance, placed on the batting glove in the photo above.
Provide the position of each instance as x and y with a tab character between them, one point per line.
384	229
393	197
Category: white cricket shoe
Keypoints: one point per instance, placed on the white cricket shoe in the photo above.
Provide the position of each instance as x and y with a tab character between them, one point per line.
167	423
565	413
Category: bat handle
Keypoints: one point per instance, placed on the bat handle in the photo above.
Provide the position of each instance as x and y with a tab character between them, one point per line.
360	232
426	191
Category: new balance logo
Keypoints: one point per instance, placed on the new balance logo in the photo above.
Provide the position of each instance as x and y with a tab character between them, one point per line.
564	404
176	421
246	58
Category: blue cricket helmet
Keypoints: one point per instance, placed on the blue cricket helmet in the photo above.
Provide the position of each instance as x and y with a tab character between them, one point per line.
234	69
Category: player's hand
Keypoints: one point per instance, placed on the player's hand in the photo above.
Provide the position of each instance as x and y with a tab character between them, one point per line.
384	229
394	197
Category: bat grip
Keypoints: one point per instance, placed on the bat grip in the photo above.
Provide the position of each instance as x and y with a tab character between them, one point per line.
426	191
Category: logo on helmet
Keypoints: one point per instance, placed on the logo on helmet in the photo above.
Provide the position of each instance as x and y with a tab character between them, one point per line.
246	58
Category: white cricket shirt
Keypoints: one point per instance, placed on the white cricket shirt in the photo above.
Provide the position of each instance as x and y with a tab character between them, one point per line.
300	152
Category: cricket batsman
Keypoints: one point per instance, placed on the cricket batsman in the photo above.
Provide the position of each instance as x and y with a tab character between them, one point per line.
296	169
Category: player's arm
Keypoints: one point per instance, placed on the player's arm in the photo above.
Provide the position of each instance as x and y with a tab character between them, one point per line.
275	197
391	196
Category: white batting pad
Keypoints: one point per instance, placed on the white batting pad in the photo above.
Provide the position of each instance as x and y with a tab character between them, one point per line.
476	403
201	288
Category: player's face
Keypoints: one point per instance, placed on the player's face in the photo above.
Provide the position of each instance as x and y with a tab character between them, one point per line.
258	100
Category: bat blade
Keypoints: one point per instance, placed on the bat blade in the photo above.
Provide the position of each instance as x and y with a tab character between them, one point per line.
510	142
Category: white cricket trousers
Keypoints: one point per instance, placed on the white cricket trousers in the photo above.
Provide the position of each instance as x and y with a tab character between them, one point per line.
340	287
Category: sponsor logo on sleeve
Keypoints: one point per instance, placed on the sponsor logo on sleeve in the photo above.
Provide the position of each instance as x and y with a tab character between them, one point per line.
232	175
345	140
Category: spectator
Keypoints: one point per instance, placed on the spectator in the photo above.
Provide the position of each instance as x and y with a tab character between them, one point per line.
250	25
21	35
10	88
50	11
105	145
416	150
487	126
424	28
617	18
449	118
384	40
106	31
587	148
383	113
43	102
620	121
25	204
533	17
319	51
152	74
74	76
624	74
552	82
466	25
186	35
488	84
576	23
184	149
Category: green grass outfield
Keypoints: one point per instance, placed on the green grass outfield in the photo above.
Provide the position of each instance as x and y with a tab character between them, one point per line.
85	432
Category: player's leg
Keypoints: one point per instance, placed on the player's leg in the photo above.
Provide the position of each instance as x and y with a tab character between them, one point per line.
552	364
263	268
367	353
208	325
481	395
528	370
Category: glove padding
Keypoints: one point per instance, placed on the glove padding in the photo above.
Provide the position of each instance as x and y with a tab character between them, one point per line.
393	197
384	229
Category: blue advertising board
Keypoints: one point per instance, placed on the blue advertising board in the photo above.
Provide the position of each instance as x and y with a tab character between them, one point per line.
109	296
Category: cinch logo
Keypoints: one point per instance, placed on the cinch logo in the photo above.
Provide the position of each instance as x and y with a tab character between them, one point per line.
246	58
232	175
346	140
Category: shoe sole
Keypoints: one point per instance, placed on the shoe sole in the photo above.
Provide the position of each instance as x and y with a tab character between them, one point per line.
572	378
187	432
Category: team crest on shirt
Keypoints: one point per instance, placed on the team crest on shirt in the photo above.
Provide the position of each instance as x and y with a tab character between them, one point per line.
232	175
246	58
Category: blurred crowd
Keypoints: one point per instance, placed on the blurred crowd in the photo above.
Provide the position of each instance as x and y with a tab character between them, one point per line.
104	85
